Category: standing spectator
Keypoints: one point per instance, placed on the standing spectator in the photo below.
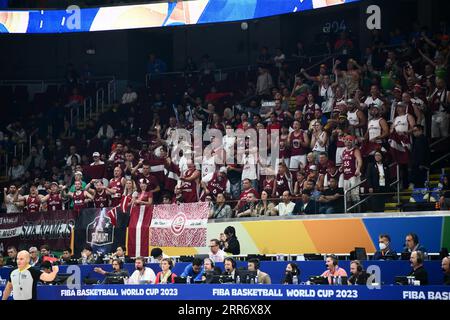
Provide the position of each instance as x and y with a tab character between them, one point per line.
264	59
129	96
439	104
16	171
379	181
279	58
264	83
231	244
105	134
155	66
420	157
351	167
72	154
207	68
34	160
343	45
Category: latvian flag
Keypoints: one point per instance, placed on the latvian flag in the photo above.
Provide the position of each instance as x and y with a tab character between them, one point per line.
400	146
182	225
122	208
138	231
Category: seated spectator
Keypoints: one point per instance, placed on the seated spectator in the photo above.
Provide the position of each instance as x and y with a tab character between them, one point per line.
66	257
216	254
379	181
193	270
249	208
165	275
87	257
332	199
120	254
286	206
72	154
262	277
35	261
142	274
385	252
118	270
264	206
306	205
157	255
231	245
221	209
129	96
412	244
333	270
291	271
34	160
418	270
446	269
358	275
12	257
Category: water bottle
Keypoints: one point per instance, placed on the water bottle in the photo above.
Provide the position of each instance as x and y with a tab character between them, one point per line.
252	280
294	279
339	280
238	279
188	279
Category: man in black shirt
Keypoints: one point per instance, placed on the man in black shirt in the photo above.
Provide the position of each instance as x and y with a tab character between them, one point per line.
418	271
232	245
23	280
358	275
332	199
12	257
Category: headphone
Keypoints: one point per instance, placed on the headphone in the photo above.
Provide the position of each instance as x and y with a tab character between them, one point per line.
233	263
359	267
334	258
210	261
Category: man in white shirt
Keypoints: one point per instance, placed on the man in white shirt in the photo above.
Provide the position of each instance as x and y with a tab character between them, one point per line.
374	98
8	196
96	158
142	274
216	254
285	207
129	96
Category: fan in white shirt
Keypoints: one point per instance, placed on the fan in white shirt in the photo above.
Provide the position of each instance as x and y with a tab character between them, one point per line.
285	207
142	274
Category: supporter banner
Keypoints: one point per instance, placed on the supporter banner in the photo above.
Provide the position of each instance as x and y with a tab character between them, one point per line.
22	230
242	292
94	227
151	15
138	231
182	225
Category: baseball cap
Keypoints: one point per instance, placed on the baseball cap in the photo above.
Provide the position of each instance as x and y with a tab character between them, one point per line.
374	105
96	154
223	169
397	88
79	172
54	182
313	167
144	180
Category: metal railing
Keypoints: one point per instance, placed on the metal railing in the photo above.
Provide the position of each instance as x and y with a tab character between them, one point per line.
30	138
396	182
445	156
346	192
111	91
4	164
100	100
19	148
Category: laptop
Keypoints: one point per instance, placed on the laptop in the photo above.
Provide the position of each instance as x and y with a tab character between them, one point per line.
318	280
401	280
246	276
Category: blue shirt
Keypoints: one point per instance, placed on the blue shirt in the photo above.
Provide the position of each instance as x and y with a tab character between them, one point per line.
188	271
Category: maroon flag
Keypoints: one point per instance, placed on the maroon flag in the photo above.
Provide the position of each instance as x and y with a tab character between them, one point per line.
138	230
400	147
182	225
122	207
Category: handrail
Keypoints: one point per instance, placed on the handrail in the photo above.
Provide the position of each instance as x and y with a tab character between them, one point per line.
99	99
111	91
397	182
447	155
348	190
438	141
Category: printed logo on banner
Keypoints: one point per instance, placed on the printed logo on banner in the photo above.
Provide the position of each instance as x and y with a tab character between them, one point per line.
178	223
100	232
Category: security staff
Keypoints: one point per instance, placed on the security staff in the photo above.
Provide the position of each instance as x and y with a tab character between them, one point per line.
23	280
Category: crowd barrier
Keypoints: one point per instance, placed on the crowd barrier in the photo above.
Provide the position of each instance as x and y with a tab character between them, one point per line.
388	269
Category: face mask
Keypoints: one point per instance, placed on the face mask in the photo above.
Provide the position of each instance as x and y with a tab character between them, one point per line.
382	246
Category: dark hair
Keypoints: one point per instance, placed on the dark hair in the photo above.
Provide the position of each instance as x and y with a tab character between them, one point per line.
140	258
87	247
230	230
11	247
44	246
46	265
120	262
255	261
156	252
334	258
307	192
233	263
197	262
414	237
419	126
122	247
420	256
385	236
68	250
295	268
323	154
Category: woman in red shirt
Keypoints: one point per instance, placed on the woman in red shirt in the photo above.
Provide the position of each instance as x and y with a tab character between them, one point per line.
166	275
